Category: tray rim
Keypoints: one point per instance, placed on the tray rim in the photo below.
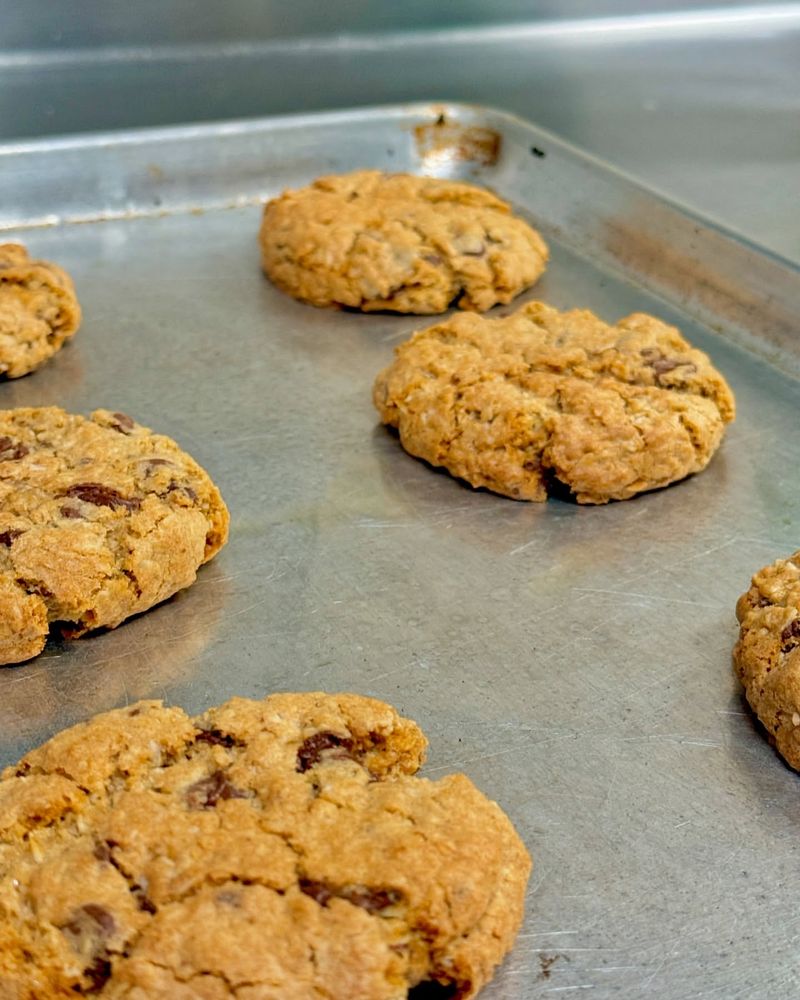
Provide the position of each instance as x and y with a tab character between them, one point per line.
526	956
427	109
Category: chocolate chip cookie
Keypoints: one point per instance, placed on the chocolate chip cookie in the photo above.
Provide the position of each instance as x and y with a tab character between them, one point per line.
369	241
38	310
767	655
100	519
276	849
544	400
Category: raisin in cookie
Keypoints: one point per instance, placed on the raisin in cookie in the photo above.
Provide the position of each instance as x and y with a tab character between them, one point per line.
38	310
518	403
277	849
410	244
99	519
767	655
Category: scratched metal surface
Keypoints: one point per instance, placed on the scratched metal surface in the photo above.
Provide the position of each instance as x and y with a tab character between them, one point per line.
574	661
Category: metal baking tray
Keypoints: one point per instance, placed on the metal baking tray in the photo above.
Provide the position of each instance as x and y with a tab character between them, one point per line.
574	661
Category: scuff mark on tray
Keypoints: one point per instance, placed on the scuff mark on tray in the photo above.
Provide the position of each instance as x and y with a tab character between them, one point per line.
443	141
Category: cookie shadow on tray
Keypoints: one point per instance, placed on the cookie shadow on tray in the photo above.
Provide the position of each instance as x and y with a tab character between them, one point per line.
421	487
144	657
62	378
760	768
429	492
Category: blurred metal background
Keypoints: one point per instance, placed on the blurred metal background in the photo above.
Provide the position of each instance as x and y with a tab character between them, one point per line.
573	661
701	102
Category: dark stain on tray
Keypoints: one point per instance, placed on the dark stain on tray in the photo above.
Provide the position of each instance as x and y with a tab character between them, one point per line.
538	152
470	143
547	962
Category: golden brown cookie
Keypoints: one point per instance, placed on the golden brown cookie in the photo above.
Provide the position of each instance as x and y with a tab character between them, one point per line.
100	519
541	397
767	655
275	849
38	310
410	244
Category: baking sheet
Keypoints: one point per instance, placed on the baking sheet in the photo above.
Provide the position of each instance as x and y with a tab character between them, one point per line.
574	661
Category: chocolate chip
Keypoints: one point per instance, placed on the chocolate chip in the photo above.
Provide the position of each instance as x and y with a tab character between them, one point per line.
318	891
661	364
66	511
206	793
431	989
312	749
7	537
371	900
790	637
103	853
143	901
90	921
216	738
101	496
123	423
99	972
101	916
154	463
22	770
174	486
11	451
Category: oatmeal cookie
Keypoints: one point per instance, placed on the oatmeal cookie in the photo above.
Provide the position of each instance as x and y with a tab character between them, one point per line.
38	310
267	850
767	655
540	398
369	241
100	519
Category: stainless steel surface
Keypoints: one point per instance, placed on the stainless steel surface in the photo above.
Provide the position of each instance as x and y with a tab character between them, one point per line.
86	24
574	661
702	104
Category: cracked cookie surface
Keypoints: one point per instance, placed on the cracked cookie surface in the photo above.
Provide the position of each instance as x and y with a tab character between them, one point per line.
371	241
100	519
767	656
267	850
539	398
38	310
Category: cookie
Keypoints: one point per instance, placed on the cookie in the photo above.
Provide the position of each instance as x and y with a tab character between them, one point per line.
369	241
544	400
277	849
100	519
38	310
767	655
